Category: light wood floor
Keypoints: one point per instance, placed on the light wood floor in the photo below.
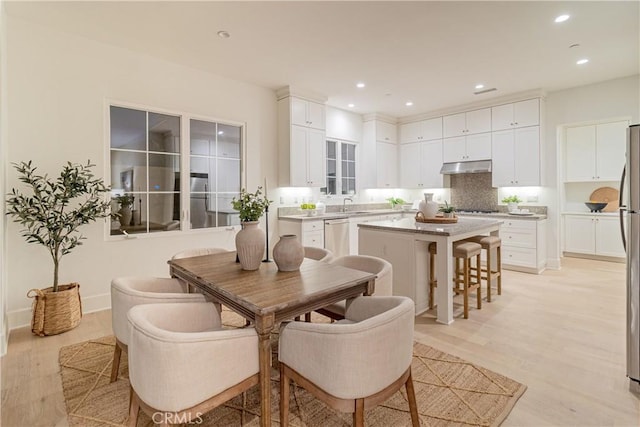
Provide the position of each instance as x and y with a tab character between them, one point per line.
561	333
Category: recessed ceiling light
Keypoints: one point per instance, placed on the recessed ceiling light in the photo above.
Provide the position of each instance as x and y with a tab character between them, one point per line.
408	103
220	132
224	34
360	85
582	61
561	18
479	86
351	105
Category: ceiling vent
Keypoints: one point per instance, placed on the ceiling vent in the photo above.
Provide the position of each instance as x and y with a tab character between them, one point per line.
480	92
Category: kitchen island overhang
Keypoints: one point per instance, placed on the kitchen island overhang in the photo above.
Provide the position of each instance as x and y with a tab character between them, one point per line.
404	243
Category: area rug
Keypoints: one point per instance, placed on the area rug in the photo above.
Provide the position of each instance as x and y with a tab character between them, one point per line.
449	392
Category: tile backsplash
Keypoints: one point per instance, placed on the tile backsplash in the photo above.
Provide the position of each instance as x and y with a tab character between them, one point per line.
473	191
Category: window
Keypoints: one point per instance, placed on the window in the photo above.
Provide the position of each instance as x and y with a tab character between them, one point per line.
341	168
145	159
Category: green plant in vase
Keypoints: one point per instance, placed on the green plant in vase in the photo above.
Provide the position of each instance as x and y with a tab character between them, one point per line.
447	211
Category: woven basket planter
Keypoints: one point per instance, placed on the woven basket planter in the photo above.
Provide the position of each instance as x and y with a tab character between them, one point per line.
55	312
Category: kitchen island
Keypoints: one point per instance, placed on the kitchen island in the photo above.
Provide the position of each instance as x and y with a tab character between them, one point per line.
405	242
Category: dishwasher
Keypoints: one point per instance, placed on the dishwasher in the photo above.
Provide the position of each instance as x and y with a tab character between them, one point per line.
336	236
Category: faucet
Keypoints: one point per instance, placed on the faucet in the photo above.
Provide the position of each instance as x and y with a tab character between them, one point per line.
344	201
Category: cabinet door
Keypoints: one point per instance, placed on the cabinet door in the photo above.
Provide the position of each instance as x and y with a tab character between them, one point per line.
387	165
502	156
410	132
431	129
298	111
298	161
385	131
410	166
454	125
502	117
479	147
431	163
581	154
479	121
316	115
454	149
579	234
608	239
526	113
316	155
611	142
526	158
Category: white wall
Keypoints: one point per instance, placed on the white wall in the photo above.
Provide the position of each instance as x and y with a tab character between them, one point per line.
611	99
344	125
57	90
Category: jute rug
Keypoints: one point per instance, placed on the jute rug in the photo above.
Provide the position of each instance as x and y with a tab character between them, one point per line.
449	392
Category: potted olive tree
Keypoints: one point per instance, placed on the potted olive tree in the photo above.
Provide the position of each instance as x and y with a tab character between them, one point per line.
51	211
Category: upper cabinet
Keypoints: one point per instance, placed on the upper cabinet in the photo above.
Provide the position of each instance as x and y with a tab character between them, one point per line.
467	148
425	130
595	152
516	115
301	143
420	164
307	113
516	157
379	154
471	122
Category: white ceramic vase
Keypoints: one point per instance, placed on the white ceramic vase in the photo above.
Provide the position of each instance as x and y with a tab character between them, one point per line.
512	206
288	253
250	245
428	207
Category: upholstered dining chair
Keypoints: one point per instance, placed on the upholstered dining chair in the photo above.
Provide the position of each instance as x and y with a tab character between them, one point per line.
317	254
198	252
182	364
378	266
354	364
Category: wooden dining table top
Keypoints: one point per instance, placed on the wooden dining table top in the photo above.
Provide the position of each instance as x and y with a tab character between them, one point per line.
268	290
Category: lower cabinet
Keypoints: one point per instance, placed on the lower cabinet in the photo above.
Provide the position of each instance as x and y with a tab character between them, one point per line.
310	233
524	245
593	235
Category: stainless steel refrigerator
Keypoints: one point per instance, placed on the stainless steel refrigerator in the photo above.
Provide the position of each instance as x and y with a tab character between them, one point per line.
630	228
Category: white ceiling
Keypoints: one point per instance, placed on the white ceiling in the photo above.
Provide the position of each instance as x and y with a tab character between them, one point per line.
432	53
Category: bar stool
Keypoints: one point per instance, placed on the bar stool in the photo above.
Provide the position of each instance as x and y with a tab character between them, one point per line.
464	252
489	243
433	283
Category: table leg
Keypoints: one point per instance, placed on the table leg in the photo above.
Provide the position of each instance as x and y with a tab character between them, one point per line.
264	326
444	292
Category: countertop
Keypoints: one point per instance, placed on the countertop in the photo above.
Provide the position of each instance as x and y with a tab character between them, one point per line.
337	215
409	225
592	213
534	217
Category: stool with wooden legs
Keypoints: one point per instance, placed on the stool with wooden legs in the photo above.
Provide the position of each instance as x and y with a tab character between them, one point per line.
463	253
433	282
489	243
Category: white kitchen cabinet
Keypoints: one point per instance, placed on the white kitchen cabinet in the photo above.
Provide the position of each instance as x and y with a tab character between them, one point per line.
471	122
386	132
595	152
593	235
516	115
515	156
386	165
309	232
467	148
420	164
524	245
379	158
425	130
307	113
301	148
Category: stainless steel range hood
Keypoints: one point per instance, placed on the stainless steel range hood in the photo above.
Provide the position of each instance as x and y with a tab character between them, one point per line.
466	167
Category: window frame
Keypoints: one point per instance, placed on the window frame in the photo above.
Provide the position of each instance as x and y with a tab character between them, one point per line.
338	159
185	144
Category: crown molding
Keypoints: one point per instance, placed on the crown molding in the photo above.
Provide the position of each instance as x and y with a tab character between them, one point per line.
379	117
309	95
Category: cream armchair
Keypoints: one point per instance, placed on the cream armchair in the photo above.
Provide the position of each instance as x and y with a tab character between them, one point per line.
378	266
198	252
128	292
318	254
354	364
182	364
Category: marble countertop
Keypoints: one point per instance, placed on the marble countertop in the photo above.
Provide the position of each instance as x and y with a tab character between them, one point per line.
534	217
409	225
337	215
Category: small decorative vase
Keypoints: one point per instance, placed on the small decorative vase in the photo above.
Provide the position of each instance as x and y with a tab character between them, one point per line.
428	207
250	245
288	253
512	206
125	216
448	214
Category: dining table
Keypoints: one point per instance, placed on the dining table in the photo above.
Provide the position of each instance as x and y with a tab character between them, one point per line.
267	296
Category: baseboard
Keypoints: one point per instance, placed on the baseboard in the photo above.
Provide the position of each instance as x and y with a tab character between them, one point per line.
619	260
553	264
21	318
